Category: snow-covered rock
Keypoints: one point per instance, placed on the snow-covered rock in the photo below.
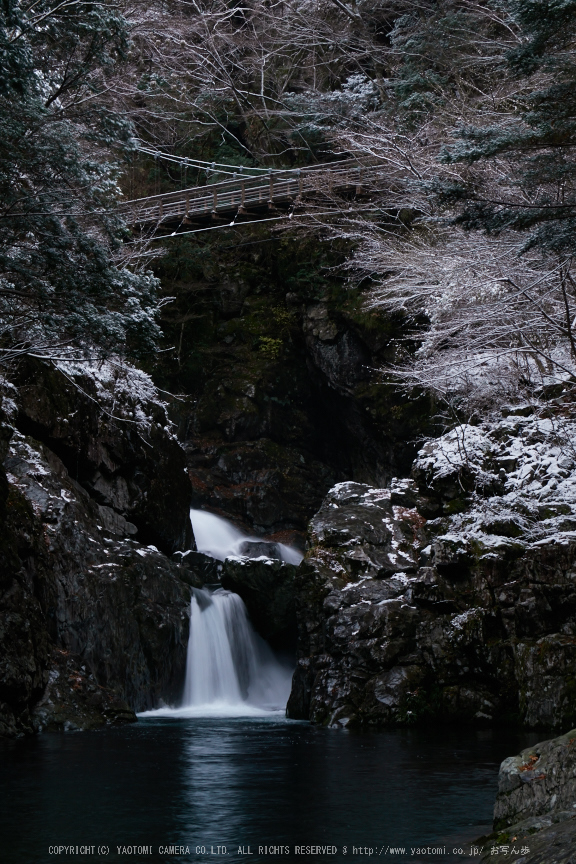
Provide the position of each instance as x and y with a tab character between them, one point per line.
404	620
511	477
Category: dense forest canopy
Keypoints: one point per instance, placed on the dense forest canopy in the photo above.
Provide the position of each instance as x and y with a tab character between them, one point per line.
467	107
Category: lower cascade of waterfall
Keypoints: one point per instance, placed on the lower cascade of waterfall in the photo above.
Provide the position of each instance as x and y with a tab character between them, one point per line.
230	669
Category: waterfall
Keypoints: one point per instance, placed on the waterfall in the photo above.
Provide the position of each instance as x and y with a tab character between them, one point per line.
218	538
230	669
229	665
211	674
215	536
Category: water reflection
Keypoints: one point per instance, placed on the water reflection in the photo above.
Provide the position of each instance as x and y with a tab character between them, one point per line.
244	782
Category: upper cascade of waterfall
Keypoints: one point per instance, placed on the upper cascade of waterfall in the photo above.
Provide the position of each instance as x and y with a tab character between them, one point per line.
220	539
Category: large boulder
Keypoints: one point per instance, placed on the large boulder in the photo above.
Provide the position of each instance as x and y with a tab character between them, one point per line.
266	585
540	780
535	810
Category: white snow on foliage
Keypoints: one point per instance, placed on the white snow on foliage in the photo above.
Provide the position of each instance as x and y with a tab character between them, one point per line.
517	473
123	391
463	446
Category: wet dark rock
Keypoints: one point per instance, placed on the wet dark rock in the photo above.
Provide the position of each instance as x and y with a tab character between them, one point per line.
266	585
115	523
198	569
540	780
404	621
286	401
93	624
114	441
24	637
535	810
261	484
541	840
73	700
260	548
335	349
203	598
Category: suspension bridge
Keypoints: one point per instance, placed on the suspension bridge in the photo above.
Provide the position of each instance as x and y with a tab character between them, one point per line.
247	196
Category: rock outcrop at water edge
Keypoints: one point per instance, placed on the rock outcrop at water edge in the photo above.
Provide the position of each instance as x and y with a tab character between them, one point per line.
449	597
535	810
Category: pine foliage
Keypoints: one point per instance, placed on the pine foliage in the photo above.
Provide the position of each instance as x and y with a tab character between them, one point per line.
61	294
535	141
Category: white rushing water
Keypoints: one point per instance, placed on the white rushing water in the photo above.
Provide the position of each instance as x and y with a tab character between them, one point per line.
228	662
230	669
219	538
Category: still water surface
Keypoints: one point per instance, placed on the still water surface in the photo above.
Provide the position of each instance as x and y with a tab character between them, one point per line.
241	782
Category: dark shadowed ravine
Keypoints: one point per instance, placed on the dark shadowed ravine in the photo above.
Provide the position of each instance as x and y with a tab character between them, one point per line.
239	783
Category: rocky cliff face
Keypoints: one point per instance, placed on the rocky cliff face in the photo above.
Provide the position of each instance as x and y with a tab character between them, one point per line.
539	781
94	618
469	615
279	361
266	585
111	432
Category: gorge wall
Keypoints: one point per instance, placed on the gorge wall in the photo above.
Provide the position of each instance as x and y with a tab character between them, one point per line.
280	363
449	596
93	497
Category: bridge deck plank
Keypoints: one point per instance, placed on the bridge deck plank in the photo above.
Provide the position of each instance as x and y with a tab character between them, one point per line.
243	191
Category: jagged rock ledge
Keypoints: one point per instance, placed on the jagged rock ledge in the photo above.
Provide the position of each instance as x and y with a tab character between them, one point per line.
535	810
450	596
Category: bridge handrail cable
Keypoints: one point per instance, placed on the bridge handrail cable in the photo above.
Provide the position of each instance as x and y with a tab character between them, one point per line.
244	182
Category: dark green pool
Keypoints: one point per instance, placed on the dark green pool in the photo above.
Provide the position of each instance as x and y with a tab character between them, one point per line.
242	784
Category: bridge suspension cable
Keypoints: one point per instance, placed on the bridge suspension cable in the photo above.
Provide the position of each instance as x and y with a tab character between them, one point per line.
222	167
285	217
